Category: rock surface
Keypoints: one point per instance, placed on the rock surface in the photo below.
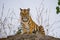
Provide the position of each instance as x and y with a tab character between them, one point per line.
29	37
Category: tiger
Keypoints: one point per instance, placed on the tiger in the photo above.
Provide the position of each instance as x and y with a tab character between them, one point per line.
28	25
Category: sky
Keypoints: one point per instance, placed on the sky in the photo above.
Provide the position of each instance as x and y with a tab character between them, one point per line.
49	5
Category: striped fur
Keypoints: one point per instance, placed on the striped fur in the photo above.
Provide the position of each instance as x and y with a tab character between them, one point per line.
28	25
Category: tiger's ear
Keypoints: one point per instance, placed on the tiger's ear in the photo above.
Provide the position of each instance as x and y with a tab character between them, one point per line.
28	9
20	9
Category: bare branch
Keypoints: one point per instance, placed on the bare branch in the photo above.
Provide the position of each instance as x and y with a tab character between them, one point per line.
2	10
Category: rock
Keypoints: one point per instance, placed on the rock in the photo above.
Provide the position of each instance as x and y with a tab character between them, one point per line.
29	37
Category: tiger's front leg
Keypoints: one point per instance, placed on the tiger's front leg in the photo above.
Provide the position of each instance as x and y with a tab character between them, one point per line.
31	30
24	29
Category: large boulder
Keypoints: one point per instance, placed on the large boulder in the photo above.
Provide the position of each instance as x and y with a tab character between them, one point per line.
29	37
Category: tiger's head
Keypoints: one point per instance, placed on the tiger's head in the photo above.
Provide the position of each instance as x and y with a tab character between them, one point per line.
24	13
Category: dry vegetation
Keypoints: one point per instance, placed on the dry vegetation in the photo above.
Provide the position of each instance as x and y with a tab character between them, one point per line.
24	36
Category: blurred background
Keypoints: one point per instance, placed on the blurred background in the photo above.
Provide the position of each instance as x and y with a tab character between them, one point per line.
43	12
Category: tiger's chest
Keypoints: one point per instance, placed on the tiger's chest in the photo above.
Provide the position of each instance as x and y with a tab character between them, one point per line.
25	25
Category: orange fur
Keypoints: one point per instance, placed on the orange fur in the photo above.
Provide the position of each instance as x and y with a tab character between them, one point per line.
29	26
